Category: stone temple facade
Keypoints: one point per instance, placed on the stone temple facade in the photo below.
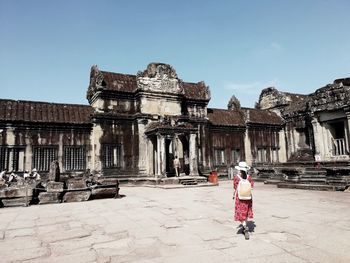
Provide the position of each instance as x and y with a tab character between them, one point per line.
135	125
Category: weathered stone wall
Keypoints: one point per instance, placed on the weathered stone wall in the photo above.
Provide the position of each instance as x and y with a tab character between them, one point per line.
145	162
263	137
227	139
271	98
124	133
196	111
32	135
204	144
158	105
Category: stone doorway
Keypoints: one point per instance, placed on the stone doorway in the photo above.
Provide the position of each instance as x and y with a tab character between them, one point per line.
177	145
184	159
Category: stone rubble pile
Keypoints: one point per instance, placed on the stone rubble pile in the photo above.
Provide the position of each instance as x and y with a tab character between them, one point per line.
23	192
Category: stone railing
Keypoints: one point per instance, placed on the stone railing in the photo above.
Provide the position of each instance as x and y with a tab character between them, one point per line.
339	147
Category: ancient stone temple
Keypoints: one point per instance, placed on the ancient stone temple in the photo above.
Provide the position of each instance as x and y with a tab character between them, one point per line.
317	133
135	125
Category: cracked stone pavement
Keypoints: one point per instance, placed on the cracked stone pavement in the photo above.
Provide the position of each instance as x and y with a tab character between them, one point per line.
181	225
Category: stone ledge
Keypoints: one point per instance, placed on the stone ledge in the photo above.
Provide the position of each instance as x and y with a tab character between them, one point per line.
310	187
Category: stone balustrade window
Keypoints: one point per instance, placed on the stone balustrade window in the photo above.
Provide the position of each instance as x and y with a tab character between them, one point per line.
74	158
262	155
274	155
112	156
43	156
219	155
235	156
338	147
12	158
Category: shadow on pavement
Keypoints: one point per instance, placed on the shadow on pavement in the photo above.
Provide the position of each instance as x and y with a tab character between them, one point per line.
251	226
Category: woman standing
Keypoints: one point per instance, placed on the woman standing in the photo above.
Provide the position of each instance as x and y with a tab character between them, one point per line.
243	206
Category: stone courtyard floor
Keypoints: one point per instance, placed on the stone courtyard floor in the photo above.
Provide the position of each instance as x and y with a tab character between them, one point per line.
181	225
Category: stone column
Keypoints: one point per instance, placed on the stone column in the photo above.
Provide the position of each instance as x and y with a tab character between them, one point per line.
161	156
317	129
150	157
29	154
203	147
158	167
10	136
348	133
247	149
144	156
96	159
193	155
282	153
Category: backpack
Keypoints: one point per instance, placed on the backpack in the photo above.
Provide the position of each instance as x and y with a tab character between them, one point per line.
244	189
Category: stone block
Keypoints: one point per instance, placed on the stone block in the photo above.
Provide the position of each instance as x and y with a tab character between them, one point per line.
107	181
104	192
49	197
54	186
54	174
76	196
17	201
10	192
75	184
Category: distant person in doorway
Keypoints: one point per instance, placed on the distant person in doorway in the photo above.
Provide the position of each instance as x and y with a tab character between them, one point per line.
177	165
243	185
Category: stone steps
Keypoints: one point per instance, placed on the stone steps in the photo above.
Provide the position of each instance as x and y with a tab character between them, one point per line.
307	176
188	181
317	187
312	180
311	175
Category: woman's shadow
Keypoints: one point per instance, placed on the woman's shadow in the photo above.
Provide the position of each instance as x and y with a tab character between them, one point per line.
251	226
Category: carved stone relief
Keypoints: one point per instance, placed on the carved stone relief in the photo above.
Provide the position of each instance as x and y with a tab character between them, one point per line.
160	78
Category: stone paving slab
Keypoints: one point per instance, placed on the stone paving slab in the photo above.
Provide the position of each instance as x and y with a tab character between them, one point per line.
181	225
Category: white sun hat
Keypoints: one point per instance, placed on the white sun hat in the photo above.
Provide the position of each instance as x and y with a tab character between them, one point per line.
242	166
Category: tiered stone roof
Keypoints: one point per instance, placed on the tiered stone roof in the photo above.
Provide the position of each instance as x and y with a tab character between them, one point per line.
44	112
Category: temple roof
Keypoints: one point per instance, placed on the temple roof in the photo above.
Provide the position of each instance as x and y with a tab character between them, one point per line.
119	82
195	91
44	112
222	117
128	83
261	117
331	97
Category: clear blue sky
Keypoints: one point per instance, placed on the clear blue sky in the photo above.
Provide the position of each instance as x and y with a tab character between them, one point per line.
237	47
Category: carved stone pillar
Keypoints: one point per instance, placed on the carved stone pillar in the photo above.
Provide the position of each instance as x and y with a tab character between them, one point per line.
348	132
144	154
282	153
151	170
193	155
158	169
247	149
318	134
161	156
96	158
